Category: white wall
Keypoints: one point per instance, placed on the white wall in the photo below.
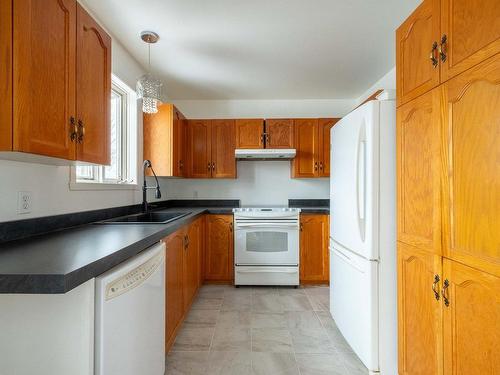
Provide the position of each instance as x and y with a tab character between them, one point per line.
198	109
258	183
49	185
388	81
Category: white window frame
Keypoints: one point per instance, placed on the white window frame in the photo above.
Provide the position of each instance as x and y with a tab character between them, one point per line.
129	147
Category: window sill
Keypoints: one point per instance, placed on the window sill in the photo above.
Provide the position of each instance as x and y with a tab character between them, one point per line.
101	186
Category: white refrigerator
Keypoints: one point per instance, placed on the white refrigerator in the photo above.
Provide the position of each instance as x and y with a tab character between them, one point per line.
363	281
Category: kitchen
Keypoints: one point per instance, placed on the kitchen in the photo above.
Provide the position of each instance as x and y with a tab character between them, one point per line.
274	207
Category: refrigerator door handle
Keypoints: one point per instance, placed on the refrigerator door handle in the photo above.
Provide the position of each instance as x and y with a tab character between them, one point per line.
361	181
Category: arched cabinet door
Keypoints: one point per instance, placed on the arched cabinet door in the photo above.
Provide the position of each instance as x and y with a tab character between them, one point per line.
93	90
44	60
470	33
419	312
471	320
416	39
471	155
419	172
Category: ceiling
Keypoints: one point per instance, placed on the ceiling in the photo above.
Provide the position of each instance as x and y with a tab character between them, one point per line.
260	49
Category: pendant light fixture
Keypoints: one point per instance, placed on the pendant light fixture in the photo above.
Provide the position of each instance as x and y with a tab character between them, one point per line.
148	87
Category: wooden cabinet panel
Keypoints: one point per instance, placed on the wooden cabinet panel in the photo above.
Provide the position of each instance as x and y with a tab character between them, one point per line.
324	127
419	172
472	154
223	145
249	133
306	163
192	254
415	72
164	139
471	321
44	72
219	263
199	149
5	75
93	90
472	31
279	133
314	255
174	284
419	313
179	144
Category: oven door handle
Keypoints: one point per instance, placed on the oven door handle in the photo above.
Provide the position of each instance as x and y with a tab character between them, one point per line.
267	270
267	225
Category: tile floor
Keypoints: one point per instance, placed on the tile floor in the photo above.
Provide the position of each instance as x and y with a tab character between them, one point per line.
261	330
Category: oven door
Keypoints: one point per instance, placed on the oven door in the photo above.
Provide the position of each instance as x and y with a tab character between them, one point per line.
260	243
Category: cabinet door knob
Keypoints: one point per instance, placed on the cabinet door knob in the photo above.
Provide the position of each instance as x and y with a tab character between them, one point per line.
442	48
209	165
321	165
444	292
315	165
434	287
433	56
213	166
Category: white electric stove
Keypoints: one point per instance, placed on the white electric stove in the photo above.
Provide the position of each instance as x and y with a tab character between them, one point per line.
266	246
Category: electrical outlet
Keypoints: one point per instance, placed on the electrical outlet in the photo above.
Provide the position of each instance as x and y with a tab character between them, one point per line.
24	202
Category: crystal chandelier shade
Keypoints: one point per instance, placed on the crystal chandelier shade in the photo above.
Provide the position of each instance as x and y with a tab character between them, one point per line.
148	87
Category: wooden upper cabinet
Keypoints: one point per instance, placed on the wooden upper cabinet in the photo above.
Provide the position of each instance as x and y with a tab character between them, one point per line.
418	142
314	254
93	87
419	312
472	31
199	148
223	145
44	72
249	133
219	257
324	127
5	75
179	145
472	154
279	133
164	140
416	39
471	321
306	162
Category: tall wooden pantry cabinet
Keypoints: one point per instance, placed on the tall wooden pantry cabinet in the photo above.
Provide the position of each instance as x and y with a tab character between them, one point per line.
448	167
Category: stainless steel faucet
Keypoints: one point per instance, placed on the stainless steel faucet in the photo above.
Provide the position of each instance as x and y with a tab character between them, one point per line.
145	188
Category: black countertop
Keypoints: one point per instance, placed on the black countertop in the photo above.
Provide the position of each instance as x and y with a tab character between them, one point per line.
62	260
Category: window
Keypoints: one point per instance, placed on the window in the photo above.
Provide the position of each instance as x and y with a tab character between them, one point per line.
122	172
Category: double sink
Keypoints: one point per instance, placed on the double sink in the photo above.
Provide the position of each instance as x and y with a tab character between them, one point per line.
147	218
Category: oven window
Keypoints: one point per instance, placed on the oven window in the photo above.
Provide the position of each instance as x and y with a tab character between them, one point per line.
267	242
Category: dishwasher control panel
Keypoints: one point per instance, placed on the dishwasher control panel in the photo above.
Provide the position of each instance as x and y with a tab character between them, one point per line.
134	278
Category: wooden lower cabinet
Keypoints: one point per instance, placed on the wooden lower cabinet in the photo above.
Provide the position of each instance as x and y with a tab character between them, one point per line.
183	274
174	284
471	328
419	312
219	253
314	256
192	255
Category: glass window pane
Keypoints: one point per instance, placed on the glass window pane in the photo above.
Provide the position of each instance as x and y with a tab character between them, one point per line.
113	172
267	242
84	173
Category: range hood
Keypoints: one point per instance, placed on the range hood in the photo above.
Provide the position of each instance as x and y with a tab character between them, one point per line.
265	153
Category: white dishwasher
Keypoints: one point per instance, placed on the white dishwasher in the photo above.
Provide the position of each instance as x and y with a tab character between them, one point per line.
130	316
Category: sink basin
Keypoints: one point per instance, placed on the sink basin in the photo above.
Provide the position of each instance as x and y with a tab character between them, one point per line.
149	218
